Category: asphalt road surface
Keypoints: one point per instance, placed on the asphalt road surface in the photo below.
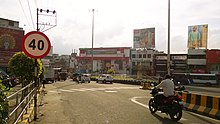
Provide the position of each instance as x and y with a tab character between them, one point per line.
67	102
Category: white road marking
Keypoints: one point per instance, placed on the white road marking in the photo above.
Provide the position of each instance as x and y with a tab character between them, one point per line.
133	99
111	91
66	90
93	89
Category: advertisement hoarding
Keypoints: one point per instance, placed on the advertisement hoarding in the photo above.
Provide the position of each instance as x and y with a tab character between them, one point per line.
197	36
144	38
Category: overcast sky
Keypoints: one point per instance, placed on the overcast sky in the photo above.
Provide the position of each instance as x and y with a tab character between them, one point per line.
115	21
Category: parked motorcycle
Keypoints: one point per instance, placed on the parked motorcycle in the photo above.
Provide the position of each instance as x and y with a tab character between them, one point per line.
172	105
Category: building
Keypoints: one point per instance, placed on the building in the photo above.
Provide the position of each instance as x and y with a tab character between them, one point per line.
197	61
213	61
178	64
10	40
61	61
104	59
143	59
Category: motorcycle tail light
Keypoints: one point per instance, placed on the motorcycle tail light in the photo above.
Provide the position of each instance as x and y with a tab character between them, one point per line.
180	97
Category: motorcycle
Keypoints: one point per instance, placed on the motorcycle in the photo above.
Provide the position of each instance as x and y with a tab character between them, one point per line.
172	105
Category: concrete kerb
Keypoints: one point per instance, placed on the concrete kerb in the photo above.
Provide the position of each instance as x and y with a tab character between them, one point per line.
201	104
27	118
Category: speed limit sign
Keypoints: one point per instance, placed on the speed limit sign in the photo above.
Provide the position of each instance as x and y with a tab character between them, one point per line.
36	44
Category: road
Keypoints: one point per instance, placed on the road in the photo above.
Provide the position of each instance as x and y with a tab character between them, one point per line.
71	103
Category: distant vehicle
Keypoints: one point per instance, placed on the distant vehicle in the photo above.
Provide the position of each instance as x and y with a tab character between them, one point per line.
74	76
49	75
8	81
197	78
56	75
84	78
104	78
62	76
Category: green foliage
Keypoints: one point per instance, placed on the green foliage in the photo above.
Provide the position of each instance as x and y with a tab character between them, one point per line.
110	71
4	107
23	67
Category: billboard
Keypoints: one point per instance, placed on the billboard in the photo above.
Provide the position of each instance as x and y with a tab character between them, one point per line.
144	38
197	36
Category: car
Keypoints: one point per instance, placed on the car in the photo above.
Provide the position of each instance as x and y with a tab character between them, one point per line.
74	76
104	78
7	80
86	78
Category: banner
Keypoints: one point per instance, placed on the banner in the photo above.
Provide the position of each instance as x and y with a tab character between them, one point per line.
197	36
144	38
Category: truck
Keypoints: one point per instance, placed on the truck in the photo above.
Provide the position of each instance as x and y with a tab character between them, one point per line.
49	75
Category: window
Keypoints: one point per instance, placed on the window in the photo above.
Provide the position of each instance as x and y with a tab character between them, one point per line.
133	56
133	63
148	55
140	55
144	56
11	23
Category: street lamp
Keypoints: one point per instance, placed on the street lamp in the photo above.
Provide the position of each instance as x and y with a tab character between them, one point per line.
92	37
168	49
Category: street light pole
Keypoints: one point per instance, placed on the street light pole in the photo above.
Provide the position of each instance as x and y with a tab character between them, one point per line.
92	37
168	49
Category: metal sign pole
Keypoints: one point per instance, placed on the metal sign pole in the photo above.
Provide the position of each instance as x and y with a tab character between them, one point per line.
35	83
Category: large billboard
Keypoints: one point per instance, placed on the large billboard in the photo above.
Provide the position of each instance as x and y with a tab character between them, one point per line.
144	38
197	36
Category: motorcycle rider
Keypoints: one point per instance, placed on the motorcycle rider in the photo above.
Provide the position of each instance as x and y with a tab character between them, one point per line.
168	90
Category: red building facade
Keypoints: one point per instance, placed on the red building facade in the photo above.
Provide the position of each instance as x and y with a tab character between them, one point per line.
10	40
213	61
115	58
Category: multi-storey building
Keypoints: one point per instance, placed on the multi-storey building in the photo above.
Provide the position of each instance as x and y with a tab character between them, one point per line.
143	59
197	61
10	40
178	64
103	59
213	61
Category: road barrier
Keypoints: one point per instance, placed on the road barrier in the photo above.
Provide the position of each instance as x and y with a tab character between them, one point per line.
145	85
202	104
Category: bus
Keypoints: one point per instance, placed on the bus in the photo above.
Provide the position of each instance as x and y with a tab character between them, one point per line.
197	78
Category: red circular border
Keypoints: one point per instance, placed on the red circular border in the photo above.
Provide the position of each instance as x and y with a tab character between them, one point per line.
40	33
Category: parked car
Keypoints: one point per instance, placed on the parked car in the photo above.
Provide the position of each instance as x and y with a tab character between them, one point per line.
8	81
104	78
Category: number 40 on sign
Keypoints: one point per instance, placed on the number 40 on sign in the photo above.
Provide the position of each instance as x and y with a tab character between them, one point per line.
36	44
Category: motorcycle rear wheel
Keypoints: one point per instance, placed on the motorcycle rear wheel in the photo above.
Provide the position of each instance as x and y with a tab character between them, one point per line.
152	106
176	113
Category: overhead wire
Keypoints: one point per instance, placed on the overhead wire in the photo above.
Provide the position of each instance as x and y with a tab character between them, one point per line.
30	13
24	13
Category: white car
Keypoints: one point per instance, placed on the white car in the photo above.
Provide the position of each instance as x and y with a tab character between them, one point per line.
84	78
104	78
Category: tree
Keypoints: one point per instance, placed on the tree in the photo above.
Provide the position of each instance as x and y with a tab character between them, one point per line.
22	67
4	107
111	71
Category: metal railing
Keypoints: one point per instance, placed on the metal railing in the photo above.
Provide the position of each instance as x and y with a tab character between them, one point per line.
18	109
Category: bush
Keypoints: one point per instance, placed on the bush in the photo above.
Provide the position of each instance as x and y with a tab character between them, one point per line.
4	107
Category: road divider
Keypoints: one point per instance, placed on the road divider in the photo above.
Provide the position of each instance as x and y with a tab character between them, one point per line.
202	104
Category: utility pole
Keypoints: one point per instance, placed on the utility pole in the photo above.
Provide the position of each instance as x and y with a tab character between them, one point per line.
35	68
168	50
92	38
46	13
